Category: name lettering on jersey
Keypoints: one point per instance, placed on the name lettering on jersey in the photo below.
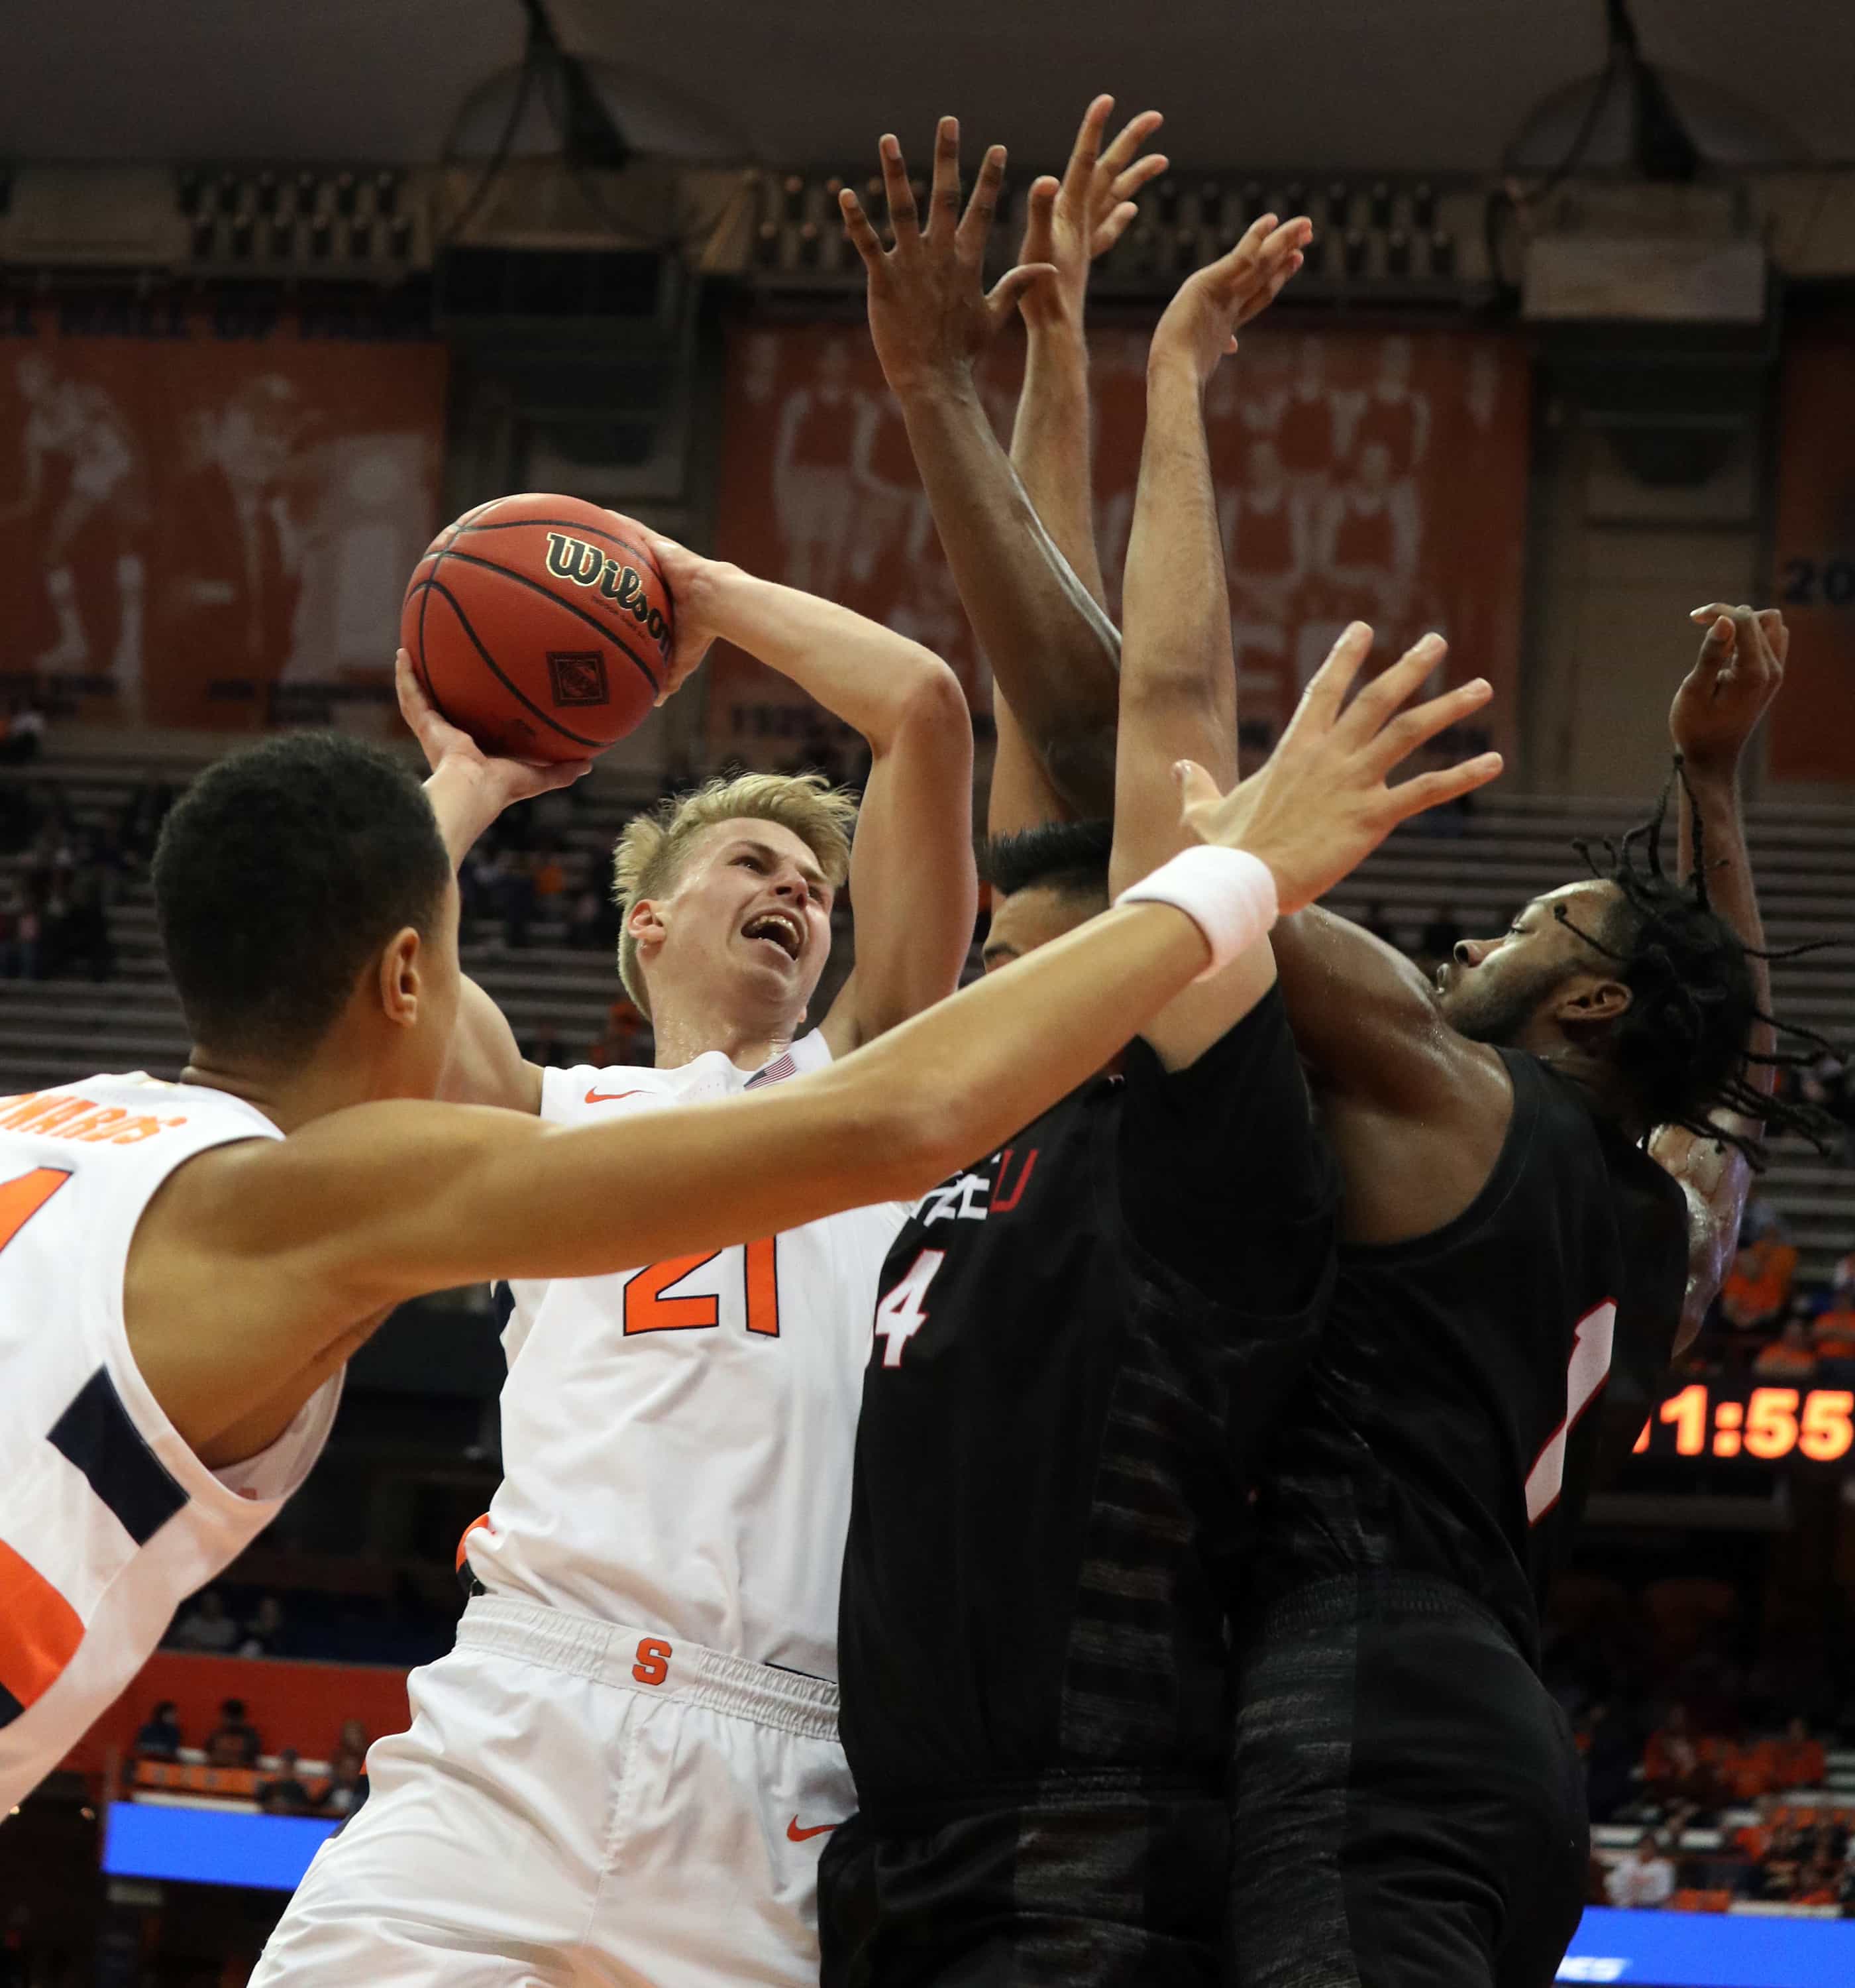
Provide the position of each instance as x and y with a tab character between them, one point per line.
958	1199
58	1115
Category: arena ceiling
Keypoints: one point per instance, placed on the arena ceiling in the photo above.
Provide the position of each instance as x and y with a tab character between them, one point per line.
1414	85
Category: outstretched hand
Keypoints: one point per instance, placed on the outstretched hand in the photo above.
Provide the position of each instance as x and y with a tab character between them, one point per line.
930	314
1321	805
690	579
1070	221
499	783
1740	670
1201	322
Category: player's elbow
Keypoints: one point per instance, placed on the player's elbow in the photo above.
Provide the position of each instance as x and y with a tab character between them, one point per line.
932	706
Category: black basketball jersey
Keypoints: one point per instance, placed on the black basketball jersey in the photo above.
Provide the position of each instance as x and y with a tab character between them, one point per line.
1080	1346
1450	1423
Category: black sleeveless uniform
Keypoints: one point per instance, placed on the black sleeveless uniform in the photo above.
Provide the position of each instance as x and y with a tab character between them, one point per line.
1081	1347
1408	1807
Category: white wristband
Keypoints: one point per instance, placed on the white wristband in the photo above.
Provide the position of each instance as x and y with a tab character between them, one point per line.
1228	894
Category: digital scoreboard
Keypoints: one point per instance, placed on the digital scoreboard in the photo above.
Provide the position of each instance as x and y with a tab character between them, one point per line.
1738	1421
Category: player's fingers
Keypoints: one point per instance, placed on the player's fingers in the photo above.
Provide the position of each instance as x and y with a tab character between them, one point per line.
1772	621
1119	155
1254	306
1137	177
1406	732
904	222
1197	788
1113	228
976	224
1712	608
944	198
863	237
1717	646
1321	702
1430	790
415	706
1039	217
1392	689
1080	170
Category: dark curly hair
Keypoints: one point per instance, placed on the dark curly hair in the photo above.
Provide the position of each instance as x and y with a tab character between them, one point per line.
1693	999
1071	856
281	872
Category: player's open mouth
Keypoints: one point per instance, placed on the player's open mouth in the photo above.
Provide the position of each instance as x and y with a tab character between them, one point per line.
779	928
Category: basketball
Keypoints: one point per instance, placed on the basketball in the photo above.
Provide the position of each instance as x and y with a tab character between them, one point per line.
541	625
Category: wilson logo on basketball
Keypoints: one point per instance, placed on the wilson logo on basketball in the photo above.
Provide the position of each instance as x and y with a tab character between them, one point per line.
590	565
578	676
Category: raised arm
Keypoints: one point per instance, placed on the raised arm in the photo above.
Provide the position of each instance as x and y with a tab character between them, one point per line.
1740	670
467	790
912	883
1051	647
1178	683
1070	222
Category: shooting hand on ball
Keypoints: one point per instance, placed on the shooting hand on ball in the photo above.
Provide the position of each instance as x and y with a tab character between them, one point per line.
469	787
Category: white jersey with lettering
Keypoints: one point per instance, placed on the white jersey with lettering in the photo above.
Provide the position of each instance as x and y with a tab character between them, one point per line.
108	1520
677	1440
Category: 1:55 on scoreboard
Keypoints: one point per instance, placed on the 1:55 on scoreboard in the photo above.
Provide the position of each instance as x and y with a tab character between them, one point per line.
1763	1423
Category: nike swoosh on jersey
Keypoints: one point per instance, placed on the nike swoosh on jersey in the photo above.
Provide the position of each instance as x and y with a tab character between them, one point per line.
796	1834
606	1096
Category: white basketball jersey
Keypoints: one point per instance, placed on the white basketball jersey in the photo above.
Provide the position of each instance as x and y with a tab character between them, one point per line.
677	1440
108	1521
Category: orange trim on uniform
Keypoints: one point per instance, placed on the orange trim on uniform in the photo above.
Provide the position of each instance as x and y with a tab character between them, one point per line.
481	1519
39	1630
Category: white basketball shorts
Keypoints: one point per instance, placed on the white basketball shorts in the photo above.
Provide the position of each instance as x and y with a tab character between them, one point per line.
577	1805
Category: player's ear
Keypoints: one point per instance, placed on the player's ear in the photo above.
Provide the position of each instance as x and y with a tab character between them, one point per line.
399	977
646	925
1589	1000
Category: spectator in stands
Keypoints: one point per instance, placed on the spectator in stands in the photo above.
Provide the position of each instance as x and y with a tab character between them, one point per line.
263	1635
21	734
1832	1330
205	1626
1644	1881
160	1738
347	1787
1674	1765
234	1741
1789	1360
1795	1761
627	1039
285	1793
1757	1288
1610	1758
353	1739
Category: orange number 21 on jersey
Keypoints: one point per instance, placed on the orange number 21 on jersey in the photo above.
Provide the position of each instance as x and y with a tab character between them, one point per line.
651	1307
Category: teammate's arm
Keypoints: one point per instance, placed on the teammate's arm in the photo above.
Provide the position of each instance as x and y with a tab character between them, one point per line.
1179	679
468	789
1740	670
1051	647
912	883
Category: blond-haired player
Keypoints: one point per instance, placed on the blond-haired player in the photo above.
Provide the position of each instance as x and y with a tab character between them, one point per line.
677	1438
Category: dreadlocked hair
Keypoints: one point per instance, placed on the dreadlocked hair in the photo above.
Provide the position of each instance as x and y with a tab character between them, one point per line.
1681	1042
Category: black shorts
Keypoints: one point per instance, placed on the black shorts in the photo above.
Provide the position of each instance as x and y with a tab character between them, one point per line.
1080	1882
1408	1807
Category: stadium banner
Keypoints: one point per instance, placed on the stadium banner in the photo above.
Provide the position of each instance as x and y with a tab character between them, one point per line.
207	515
1377	475
1812	736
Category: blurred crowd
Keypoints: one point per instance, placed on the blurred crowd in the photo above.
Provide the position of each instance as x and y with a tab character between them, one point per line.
284	1784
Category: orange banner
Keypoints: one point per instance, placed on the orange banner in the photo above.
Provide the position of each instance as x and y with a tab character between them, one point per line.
1813	725
1359	474
207	518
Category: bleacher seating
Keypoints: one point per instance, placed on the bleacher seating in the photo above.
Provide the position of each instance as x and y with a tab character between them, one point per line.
1512	846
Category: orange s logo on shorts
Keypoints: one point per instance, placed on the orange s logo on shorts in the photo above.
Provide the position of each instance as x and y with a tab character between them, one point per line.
653	1664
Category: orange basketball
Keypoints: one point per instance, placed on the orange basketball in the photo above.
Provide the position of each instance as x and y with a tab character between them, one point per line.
540	625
